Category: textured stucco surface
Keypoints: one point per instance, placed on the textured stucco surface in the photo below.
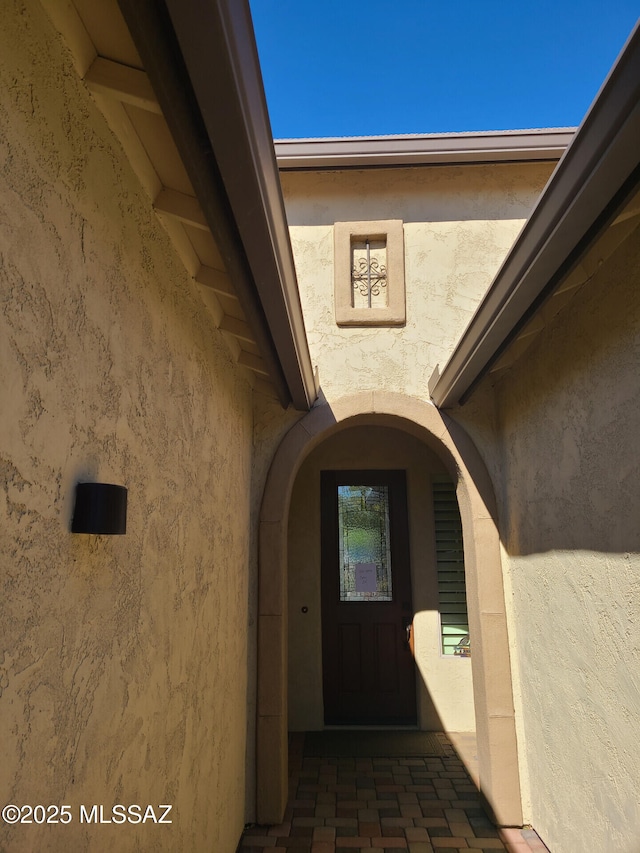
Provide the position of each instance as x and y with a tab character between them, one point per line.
459	223
123	659
444	691
431	194
458	226
567	464
270	425
559	437
490	664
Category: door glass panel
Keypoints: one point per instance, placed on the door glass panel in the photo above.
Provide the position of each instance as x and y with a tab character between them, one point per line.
364	543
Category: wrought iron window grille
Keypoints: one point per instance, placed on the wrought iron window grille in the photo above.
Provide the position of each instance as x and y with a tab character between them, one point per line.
368	275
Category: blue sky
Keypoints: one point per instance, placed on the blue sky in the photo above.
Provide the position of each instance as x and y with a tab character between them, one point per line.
352	68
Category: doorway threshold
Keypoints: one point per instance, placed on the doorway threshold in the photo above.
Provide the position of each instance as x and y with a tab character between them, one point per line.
378	727
374	743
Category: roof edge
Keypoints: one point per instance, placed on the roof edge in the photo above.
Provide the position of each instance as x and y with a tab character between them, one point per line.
202	61
597	173
423	149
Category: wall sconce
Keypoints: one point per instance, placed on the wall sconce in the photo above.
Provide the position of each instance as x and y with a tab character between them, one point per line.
101	508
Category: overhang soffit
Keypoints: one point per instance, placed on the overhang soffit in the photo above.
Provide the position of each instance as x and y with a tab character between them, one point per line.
624	227
106	58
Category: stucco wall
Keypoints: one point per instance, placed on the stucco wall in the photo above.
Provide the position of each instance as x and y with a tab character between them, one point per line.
270	426
444	690
458	225
567	467
122	660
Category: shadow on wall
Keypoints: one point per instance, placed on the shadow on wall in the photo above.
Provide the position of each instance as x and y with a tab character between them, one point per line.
410	419
443	681
436	194
569	423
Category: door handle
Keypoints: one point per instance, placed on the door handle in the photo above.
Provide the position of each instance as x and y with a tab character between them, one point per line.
407	624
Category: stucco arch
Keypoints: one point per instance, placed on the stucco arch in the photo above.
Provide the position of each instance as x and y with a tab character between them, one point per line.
493	697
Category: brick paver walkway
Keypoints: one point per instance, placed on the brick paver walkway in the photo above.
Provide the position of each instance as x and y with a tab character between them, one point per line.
378	805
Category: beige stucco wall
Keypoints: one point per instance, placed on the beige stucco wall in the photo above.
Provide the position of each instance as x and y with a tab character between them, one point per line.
565	456
458	225
491	667
444	690
123	659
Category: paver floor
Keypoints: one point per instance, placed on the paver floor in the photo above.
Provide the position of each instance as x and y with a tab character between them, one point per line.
426	804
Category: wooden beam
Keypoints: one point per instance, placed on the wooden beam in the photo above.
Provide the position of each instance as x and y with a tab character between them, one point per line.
264	387
185	208
253	362
125	84
153	28
238	328
68	22
630	210
217	280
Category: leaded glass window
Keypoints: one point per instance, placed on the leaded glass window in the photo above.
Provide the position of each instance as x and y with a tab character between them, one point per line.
364	544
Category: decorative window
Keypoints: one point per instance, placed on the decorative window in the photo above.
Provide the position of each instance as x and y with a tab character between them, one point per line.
369	273
452	594
364	543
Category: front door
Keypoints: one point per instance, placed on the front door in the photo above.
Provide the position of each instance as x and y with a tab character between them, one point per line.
368	669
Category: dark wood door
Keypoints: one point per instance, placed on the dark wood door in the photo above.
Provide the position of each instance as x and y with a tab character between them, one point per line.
368	668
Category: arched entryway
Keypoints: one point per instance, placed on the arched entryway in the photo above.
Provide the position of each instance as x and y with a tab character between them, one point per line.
493	699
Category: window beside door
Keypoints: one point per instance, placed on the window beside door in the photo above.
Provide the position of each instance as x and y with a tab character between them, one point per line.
452	594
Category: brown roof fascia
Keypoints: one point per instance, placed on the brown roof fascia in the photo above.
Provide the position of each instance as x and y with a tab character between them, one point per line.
202	62
598	172
512	146
227	81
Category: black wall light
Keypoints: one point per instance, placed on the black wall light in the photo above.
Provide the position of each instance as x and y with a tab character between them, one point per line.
100	508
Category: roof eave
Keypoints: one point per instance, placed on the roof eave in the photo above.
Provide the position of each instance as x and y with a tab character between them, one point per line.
221	128
597	173
422	150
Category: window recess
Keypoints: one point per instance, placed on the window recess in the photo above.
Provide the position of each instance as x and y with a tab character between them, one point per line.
369	273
